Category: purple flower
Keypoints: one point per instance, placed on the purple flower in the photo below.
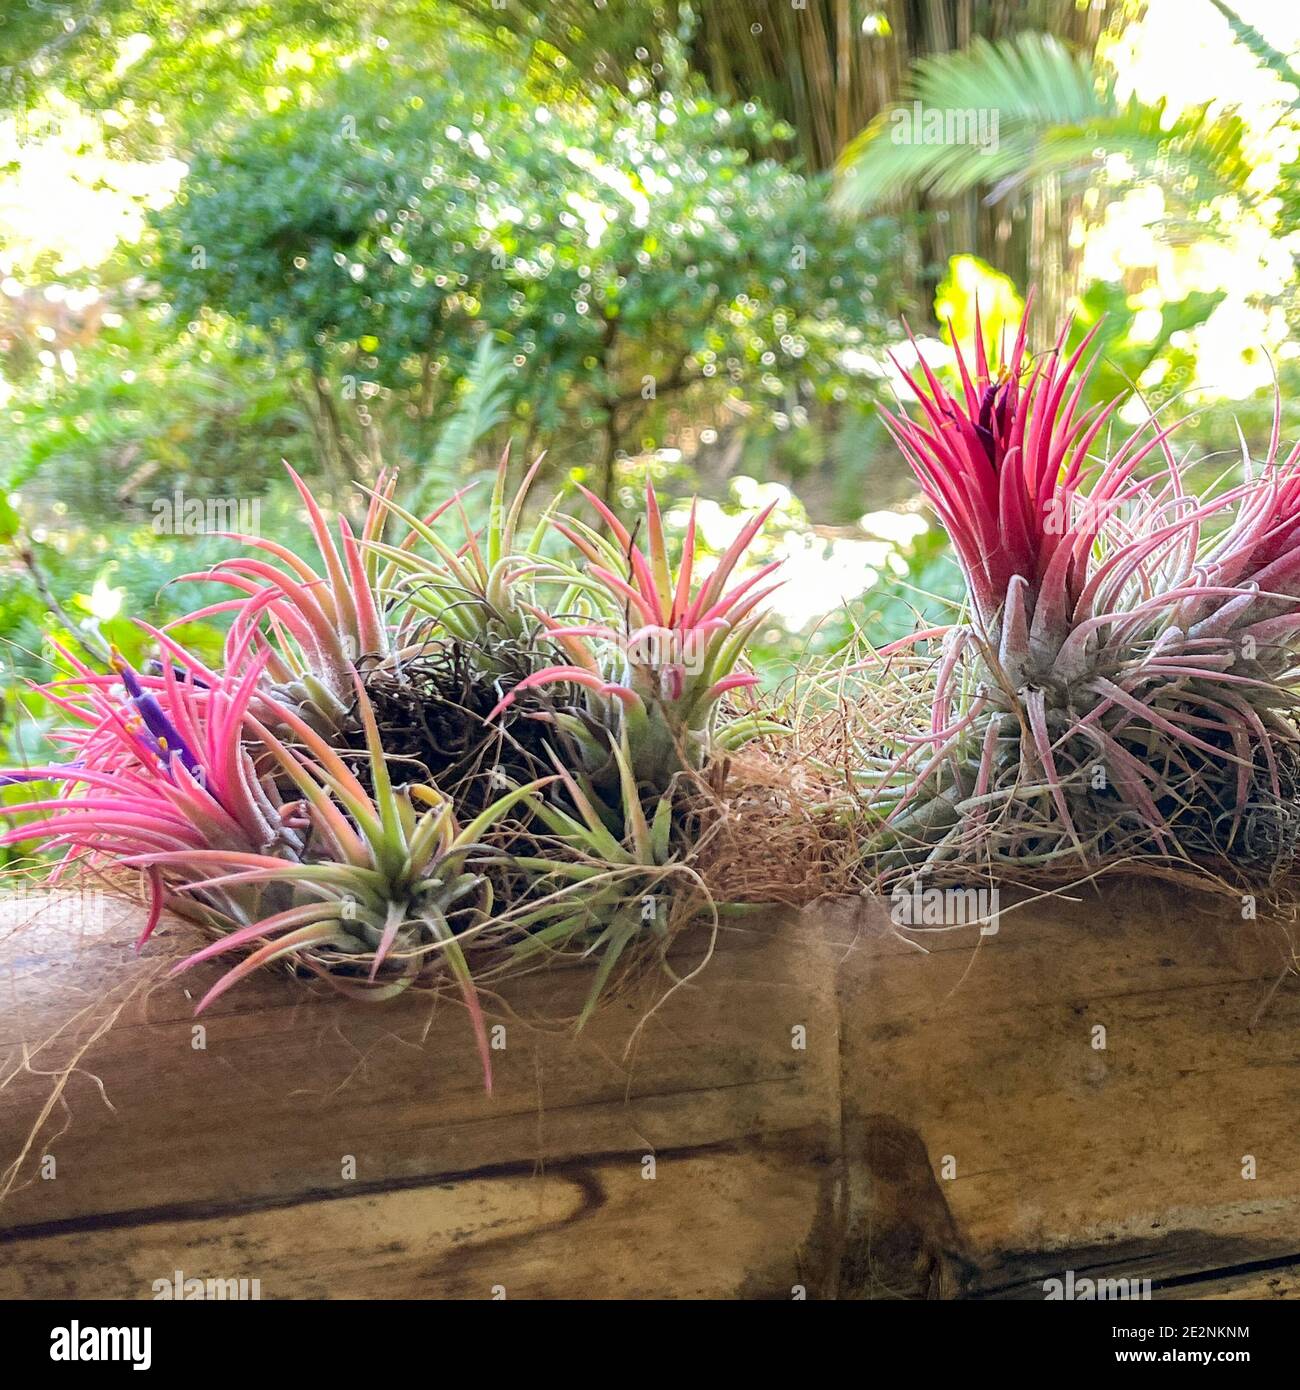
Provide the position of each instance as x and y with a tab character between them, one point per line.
165	734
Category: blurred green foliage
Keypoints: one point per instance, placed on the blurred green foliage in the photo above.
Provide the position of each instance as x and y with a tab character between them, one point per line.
627	252
1139	351
146	407
394	267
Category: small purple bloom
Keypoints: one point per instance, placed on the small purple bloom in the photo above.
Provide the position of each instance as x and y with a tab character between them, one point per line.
165	733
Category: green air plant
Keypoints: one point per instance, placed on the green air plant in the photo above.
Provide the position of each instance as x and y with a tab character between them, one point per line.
400	892
1124	677
467	587
588	892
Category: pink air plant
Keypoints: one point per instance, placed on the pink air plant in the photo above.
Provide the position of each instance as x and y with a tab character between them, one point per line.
661	651
1128	663
275	844
160	767
312	630
1005	464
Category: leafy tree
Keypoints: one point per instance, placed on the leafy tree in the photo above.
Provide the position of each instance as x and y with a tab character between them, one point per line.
179	72
633	259
174	71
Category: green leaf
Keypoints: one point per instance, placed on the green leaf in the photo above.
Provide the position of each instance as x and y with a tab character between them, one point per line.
9	521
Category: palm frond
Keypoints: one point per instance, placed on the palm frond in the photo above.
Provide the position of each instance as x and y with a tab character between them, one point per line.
1269	57
1196	157
1029	84
1049	115
1031	78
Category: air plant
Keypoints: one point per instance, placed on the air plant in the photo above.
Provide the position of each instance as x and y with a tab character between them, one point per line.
430	626
1125	672
589	893
467	587
653	653
397	893
639	700
324	627
280	798
272	842
159	766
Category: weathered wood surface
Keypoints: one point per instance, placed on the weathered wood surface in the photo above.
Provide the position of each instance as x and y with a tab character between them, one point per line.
949	1127
1122	1162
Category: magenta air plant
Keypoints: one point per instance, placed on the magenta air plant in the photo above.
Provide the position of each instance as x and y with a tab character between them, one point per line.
276	845
160	767
1126	672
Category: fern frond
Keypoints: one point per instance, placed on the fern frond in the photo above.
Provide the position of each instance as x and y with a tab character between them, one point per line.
484	402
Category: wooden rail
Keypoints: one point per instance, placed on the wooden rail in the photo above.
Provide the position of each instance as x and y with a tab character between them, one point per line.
834	1108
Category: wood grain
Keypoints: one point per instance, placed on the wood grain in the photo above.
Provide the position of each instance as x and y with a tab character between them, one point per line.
232	1161
835	1107
1125	1160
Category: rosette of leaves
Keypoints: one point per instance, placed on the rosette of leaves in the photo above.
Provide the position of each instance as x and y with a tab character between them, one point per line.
654	654
1124	676
255	826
